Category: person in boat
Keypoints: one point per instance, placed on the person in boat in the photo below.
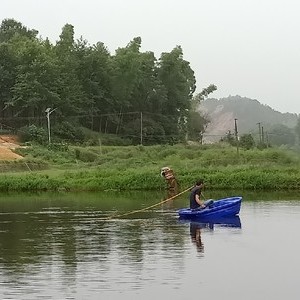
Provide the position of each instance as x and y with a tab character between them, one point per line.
195	195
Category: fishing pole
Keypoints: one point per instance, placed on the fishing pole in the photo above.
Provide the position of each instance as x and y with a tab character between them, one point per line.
146	208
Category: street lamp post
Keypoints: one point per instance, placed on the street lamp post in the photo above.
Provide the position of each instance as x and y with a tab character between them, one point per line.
48	111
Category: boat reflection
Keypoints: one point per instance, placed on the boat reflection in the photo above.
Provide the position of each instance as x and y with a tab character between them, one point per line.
197	225
233	221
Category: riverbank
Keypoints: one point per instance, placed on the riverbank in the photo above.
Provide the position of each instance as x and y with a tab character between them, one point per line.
138	168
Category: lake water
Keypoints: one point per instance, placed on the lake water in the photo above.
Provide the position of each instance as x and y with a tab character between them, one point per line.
57	246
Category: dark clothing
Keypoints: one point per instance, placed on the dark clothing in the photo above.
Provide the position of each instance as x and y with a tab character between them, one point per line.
195	191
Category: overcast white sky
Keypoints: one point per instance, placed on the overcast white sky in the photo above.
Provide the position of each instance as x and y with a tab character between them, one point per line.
249	48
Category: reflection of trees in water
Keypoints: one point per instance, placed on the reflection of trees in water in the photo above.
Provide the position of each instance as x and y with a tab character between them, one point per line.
137	237
128	239
49	241
66	243
47	238
31	239
24	239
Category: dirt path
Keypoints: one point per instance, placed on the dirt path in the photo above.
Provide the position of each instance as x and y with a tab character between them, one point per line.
7	144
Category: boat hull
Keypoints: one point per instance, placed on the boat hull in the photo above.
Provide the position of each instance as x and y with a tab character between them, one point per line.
225	207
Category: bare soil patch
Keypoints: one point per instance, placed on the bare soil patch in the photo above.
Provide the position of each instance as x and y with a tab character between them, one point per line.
7	144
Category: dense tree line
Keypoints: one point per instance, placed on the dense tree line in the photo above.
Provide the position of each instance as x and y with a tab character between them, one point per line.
93	88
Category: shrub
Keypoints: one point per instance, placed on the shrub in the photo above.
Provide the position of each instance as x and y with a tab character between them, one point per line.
68	132
85	155
32	133
247	141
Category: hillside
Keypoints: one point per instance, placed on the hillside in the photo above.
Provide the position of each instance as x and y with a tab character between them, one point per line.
7	144
248	113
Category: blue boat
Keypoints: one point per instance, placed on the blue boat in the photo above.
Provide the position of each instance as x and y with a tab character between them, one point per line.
225	207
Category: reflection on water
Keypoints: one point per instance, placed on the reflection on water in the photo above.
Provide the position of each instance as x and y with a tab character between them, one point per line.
57	247
197	225
195	231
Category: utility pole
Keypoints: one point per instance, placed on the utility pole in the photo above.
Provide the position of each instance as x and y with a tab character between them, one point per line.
267	139
141	128
259	131
262	135
48	111
236	136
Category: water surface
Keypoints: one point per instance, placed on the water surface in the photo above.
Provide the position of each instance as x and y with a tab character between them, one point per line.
57	246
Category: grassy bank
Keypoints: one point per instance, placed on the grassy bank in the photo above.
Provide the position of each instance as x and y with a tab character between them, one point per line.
138	168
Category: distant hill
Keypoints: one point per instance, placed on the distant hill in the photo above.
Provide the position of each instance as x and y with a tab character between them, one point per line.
248	113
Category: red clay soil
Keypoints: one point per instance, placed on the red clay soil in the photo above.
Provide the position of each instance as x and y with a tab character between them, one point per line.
7	144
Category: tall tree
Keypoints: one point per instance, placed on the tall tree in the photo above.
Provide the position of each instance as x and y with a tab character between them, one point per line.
8	73
72	98
34	87
21	88
179	81
137	88
202	96
93	72
83	80
125	74
10	28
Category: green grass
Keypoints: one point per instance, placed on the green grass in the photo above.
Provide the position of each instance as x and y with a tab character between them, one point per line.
138	168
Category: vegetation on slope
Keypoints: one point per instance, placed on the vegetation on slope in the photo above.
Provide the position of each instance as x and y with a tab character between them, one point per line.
138	168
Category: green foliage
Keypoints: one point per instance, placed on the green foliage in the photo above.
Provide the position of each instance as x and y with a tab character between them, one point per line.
113	140
152	132
280	134
261	145
229	138
197	124
246	141
10	28
90	87
85	155
58	147
32	133
138	167
92	138
178	78
203	95
21	166
297	130
51	154
31	182
68	132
